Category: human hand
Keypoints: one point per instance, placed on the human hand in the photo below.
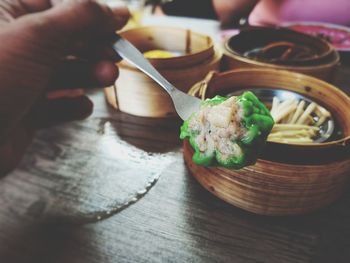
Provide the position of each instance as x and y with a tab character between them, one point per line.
37	37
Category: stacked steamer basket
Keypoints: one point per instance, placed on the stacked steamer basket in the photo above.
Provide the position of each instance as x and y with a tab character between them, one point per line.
289	179
136	94
284	49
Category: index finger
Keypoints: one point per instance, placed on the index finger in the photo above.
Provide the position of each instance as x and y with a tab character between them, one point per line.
71	21
87	17
33	6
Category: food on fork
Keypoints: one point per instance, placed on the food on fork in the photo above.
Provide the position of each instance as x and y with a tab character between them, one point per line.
229	132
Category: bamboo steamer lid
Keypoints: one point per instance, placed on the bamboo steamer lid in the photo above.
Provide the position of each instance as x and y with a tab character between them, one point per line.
137	94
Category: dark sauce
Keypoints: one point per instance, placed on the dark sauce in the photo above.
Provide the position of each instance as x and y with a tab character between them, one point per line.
280	51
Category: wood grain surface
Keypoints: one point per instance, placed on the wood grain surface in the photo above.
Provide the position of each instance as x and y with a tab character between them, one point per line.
175	221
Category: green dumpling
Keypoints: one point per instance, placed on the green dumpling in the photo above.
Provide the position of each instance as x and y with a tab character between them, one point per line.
228	131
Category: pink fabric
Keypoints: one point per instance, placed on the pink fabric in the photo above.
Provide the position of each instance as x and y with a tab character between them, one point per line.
269	12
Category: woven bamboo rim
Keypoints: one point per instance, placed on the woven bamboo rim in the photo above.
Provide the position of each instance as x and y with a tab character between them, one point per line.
323	71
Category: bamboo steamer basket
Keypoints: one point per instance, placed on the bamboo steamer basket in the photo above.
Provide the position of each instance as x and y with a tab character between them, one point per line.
324	67
137	94
293	184
314	50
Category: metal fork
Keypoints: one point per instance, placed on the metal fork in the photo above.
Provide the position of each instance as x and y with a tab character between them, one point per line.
184	104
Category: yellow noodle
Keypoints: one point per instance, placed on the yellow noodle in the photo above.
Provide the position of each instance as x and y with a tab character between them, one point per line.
286	126
298	112
306	113
284	111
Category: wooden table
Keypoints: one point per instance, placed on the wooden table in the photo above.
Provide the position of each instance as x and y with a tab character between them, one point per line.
130	171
